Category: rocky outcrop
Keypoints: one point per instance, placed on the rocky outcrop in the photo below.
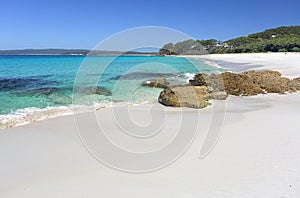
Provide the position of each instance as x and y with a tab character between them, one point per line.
248	83
218	86
158	83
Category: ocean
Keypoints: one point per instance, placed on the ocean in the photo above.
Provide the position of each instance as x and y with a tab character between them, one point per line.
38	87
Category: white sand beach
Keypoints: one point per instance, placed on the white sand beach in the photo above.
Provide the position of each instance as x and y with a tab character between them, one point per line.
257	154
285	63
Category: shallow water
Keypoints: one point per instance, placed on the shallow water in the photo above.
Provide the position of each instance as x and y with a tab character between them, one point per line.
39	82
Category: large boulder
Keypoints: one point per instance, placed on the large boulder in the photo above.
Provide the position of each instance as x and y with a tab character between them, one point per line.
185	96
158	83
214	82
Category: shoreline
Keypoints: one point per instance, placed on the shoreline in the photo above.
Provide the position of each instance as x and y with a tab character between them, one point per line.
257	154
30	115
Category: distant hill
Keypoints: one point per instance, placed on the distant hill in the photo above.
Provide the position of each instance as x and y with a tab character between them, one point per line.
185	47
45	52
281	39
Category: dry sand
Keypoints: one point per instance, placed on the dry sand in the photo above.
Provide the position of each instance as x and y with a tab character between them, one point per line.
286	63
257	154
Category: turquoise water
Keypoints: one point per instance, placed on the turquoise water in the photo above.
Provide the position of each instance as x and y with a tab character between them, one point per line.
47	81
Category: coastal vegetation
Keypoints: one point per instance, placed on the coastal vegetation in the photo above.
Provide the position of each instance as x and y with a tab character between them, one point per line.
281	39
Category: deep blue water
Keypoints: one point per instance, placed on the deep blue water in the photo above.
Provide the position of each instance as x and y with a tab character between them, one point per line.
47	81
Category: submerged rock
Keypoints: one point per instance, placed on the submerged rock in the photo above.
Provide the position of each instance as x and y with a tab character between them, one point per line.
21	84
102	91
158	83
60	98
99	90
39	91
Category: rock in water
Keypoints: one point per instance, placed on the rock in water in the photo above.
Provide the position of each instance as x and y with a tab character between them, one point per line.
199	80
158	83
99	90
185	96
60	98
102	91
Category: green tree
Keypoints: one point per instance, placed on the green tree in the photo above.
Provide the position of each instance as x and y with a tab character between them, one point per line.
295	49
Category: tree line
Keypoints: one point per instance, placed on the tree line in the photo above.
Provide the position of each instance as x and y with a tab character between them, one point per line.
282	39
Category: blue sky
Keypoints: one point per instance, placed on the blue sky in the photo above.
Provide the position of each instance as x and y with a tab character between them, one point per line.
83	24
